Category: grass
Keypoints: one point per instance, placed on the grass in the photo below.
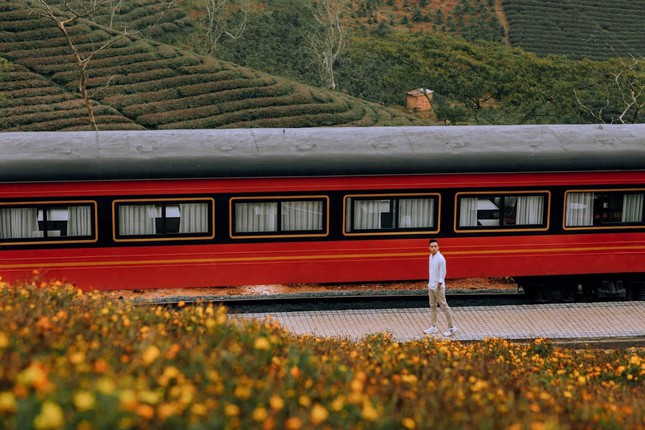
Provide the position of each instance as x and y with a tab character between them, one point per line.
86	360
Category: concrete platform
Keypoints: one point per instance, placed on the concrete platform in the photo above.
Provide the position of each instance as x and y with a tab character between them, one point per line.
609	324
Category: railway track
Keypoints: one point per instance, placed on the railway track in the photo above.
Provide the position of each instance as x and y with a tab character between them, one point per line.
362	301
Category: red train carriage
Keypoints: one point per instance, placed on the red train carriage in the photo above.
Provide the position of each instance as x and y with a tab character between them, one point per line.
559	208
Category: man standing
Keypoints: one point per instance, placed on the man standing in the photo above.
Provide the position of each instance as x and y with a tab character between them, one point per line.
437	290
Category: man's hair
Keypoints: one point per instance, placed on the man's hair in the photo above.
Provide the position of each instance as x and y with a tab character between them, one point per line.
433	240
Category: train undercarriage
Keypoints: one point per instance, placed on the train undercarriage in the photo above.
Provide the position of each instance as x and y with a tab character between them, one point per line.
583	288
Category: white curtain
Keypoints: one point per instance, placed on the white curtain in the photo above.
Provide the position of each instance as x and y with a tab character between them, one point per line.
632	208
367	213
416	213
302	215
80	221
579	209
193	218
529	210
468	212
256	217
138	219
19	223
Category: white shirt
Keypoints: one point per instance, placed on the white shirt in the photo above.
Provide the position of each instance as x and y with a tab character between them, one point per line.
437	269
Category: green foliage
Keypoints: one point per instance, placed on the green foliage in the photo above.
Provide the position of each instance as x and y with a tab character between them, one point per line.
276	42
488	81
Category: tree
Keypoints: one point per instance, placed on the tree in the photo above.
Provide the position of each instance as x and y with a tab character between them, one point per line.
329	42
223	18
72	12
622	90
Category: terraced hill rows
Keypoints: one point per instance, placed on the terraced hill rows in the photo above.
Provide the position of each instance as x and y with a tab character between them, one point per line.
139	84
578	28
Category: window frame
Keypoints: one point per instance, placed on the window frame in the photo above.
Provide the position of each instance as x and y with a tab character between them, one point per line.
504	228
53	240
395	231
279	233
607	226
116	237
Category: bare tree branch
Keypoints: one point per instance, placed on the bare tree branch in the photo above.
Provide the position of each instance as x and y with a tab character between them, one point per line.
64	21
332	40
218	21
628	83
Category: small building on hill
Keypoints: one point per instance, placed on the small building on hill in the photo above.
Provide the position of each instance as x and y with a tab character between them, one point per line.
419	100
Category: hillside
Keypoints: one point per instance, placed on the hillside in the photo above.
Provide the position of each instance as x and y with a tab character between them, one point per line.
573	28
161	77
136	83
578	28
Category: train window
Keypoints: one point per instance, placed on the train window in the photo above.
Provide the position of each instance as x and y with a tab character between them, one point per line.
50	222
391	214
501	211
163	219
606	208
279	216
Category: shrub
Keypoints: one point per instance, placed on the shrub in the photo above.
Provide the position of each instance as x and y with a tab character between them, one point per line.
75	359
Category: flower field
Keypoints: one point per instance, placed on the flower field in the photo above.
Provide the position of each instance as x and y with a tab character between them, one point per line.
86	360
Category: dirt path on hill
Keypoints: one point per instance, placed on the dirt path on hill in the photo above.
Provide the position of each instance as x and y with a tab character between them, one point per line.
501	15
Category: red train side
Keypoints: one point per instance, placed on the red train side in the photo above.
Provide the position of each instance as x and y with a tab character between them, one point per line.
335	257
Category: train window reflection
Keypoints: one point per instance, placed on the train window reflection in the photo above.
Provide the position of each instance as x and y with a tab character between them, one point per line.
501	211
397	214
47	221
271	216
160	219
604	208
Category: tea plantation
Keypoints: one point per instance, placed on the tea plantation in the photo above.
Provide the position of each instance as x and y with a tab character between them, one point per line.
578	28
136	83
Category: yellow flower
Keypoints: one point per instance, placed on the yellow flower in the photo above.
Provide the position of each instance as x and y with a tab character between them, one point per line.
369	413
243	392
231	410
338	403
259	414
408	423
34	375
167	410
7	402
293	423
105	386
84	400
51	417
262	343
150	354
77	357
318	414
4	340
145	411
199	409
276	403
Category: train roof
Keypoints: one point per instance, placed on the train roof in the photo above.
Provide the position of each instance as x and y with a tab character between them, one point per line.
338	151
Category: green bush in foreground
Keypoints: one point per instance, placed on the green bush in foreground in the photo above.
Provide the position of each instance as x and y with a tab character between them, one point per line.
77	360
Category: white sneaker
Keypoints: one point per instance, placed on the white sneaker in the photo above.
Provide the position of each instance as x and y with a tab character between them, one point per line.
452	330
431	330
